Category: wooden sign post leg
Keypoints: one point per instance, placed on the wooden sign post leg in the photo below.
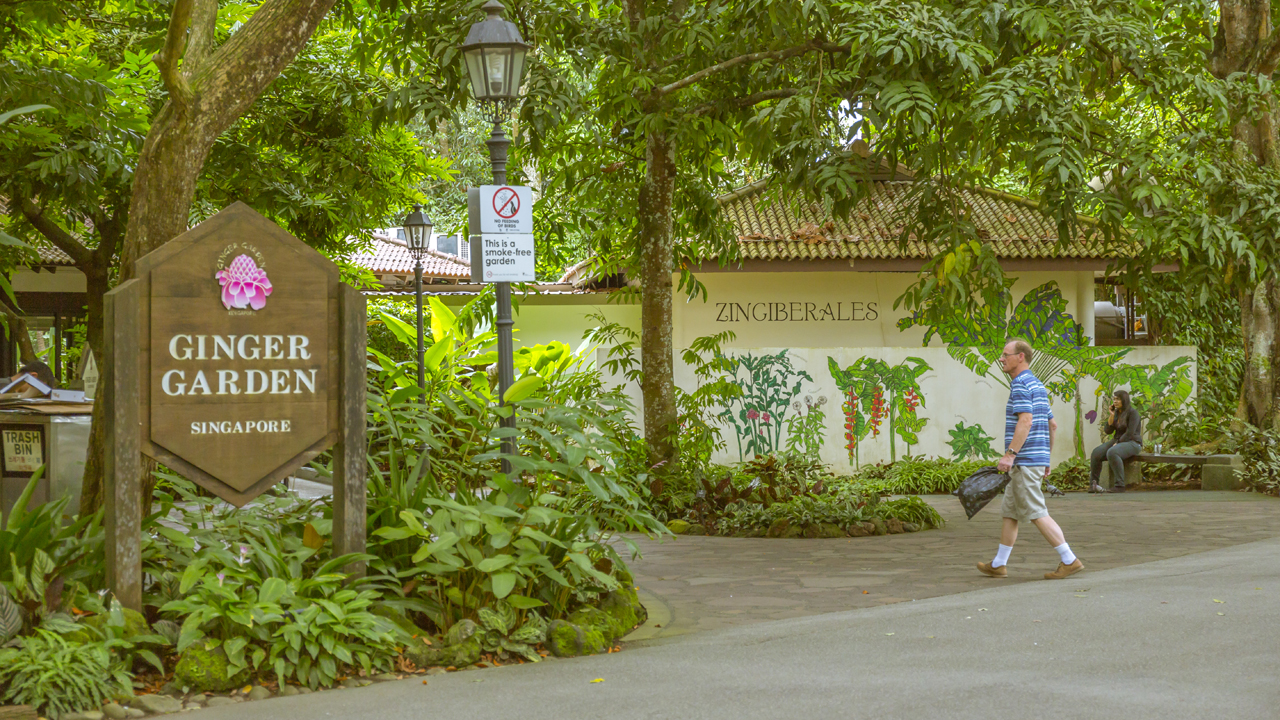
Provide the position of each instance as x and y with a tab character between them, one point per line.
349	455
123	466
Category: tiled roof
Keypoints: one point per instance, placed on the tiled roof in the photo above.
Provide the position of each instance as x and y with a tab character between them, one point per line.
774	230
50	255
390	256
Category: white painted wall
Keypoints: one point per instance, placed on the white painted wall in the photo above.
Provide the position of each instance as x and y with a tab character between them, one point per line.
951	394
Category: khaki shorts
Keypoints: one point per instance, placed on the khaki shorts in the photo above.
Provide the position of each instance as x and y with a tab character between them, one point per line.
1023	499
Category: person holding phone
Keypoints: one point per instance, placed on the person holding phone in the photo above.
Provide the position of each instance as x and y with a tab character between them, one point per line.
1126	426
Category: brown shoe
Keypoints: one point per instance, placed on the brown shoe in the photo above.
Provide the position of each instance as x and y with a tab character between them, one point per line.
1000	572
1064	570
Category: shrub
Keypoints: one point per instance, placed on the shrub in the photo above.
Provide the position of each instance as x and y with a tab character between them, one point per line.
57	676
918	477
1260	450
1072	474
912	510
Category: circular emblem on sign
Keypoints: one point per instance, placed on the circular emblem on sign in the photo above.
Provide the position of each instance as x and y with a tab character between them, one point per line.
506	202
244	283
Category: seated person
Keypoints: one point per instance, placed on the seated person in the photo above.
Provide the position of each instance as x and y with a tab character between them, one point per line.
1125	423
37	370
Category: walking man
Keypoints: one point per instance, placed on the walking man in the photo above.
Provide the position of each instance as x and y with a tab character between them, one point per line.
1028	440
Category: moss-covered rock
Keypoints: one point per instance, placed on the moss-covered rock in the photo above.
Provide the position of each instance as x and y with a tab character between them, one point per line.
779	528
134	624
830	530
203	670
881	527
623	605
894	525
462	654
678	527
696	529
567	639
858	530
461	631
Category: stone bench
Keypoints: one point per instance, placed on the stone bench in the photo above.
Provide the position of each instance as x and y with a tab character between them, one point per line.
1217	472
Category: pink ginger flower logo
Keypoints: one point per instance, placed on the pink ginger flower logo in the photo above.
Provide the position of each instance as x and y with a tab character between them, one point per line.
244	284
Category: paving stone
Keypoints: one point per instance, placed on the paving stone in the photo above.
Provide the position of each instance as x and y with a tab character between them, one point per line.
134	712
288	691
198	698
257	692
436	671
157	704
192	706
219	701
115	711
386	677
304	690
710	583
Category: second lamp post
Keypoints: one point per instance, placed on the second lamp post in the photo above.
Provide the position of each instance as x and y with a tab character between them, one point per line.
417	237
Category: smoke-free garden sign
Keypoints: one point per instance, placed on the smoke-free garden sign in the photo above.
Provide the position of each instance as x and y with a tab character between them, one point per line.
238	355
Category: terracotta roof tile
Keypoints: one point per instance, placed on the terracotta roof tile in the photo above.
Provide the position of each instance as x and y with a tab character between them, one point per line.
391	256
777	231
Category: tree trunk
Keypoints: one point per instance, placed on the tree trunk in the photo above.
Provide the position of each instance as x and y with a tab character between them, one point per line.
208	91
657	247
1243	43
91	498
17	327
1259	317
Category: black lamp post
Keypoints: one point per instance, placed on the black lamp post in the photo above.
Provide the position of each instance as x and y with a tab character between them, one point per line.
417	236
495	56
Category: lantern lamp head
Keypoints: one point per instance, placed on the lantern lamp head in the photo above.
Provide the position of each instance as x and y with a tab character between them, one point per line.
495	56
417	230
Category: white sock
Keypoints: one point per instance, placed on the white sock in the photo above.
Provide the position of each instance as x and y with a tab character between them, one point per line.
1002	556
1064	552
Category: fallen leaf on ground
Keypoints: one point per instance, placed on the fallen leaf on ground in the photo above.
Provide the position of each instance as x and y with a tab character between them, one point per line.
982	609
424	682
1222	613
865	592
1220	601
888	633
598	680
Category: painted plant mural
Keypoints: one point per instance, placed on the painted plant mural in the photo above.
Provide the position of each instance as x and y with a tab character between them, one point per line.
1063	356
758	415
875	393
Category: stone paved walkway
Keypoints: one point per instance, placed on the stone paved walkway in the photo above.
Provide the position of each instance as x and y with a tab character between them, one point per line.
705	583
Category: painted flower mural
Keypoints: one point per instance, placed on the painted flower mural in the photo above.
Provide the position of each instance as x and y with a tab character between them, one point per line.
244	284
758	415
876	392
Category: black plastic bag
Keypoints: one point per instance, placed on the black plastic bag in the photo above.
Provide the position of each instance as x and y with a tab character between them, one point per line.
979	488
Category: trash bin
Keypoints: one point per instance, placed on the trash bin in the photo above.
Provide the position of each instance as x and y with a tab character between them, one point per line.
55	435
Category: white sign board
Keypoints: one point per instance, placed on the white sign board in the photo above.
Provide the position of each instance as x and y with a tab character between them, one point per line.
502	258
89	374
501	209
23	450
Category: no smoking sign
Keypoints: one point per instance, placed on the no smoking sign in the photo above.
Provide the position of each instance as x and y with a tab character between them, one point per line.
502	209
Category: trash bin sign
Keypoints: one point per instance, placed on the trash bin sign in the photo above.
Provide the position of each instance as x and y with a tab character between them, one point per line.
23	449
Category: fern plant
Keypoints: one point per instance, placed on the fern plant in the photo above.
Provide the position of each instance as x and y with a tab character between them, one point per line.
57	677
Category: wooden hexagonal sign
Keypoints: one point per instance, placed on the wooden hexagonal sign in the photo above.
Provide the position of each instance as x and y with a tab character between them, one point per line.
239	357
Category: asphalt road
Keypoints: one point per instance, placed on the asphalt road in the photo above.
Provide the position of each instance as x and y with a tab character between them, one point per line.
1190	637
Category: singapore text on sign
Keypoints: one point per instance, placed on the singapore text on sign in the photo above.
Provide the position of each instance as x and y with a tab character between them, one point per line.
242	358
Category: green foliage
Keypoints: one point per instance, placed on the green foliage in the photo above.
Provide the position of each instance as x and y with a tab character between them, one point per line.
918	477
46	560
971	442
912	510
501	631
58	677
1071	474
1260	449
460	533
1212	327
805	426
